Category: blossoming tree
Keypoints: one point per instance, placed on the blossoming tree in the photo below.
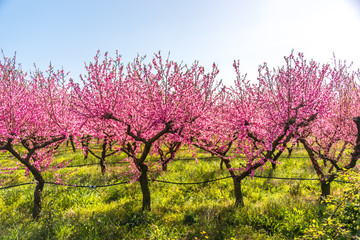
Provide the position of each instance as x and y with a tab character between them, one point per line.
32	114
151	102
266	116
329	139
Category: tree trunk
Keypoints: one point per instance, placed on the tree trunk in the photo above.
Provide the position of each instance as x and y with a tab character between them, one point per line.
273	165
144	183
290	151
38	189
325	189
239	201
164	166
222	164
37	198
103	156
86	154
71	141
85	144
102	165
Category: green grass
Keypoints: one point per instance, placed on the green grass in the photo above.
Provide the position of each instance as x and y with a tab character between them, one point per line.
274	209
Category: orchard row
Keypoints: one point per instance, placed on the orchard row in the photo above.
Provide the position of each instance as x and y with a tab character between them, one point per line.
150	110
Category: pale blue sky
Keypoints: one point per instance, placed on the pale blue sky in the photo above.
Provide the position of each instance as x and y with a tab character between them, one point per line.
69	32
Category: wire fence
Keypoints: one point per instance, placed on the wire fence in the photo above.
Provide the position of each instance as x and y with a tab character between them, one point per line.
207	158
167	182
70	150
16	185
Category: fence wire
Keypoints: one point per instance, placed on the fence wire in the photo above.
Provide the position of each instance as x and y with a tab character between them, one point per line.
167	182
162	181
208	158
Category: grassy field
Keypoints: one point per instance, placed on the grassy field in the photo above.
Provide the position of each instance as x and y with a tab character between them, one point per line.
274	208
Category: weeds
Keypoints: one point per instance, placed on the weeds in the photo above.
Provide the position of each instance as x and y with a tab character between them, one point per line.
274	209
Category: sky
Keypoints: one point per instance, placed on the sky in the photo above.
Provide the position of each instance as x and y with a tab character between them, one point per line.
68	33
